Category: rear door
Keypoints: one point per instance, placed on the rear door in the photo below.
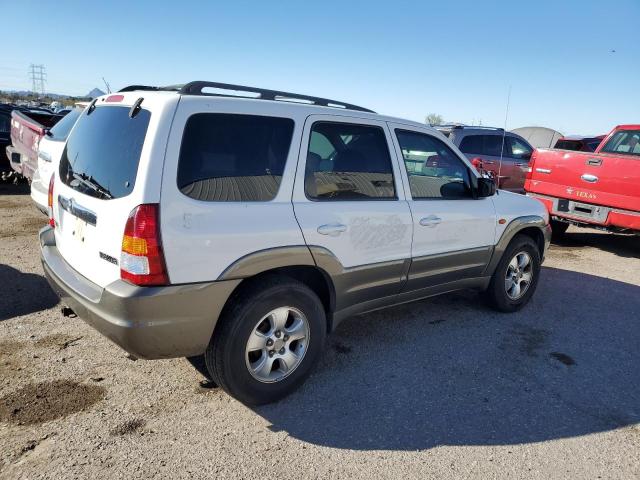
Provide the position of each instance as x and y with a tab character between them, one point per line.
349	202
517	154
111	163
489	148
454	233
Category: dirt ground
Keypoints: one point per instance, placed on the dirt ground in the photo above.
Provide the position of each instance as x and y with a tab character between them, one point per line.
442	388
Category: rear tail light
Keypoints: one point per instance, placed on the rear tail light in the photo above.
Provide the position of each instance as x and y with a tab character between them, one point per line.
52	221
530	167
142	259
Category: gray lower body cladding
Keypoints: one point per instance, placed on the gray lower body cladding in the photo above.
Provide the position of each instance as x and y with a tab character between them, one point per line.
148	322
179	320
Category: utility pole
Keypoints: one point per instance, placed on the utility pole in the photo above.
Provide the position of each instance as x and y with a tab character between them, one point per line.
38	76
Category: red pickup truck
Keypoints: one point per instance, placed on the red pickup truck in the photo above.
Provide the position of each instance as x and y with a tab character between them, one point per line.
27	128
599	189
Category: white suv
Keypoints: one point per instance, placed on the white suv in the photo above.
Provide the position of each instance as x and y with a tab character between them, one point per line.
195	220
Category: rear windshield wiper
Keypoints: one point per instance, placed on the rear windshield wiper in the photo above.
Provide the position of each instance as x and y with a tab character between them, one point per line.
88	181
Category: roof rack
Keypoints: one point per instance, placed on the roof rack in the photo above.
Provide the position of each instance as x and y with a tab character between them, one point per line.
196	88
456	127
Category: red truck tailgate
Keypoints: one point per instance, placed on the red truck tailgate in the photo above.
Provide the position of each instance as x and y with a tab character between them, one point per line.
600	179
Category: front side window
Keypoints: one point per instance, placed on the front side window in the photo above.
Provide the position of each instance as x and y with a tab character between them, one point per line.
517	149
103	152
625	141
233	158
434	171
348	162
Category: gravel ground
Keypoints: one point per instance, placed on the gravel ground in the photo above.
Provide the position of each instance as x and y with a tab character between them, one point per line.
442	388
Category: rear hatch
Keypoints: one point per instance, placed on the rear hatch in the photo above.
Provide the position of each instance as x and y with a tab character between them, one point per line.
601	179
112	162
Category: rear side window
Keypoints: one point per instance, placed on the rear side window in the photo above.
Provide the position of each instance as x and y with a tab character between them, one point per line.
233	158
516	148
625	141
102	154
490	145
60	130
348	162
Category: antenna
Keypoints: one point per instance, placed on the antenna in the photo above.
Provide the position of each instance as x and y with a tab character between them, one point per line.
106	84
504	133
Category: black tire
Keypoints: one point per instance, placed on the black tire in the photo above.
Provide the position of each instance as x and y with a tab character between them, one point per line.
497	292
558	229
226	357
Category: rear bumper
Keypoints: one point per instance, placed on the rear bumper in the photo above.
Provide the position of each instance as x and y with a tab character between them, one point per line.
601	216
148	322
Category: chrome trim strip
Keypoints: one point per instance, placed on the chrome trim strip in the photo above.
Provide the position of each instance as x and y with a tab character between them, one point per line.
83	213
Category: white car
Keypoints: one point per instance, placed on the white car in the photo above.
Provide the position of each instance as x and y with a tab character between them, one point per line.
195	220
49	152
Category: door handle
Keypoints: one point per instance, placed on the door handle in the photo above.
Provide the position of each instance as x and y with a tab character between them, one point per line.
522	164
332	229
488	162
430	221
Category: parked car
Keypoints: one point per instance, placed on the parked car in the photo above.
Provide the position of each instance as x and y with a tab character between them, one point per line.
599	189
27	128
505	154
5	140
50	149
578	143
246	229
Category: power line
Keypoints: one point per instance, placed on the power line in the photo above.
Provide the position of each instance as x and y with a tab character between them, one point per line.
38	76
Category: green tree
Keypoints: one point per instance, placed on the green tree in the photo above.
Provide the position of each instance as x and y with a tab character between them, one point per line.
434	119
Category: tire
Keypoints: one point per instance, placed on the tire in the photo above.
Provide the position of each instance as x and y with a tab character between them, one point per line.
558	229
246	316
506	299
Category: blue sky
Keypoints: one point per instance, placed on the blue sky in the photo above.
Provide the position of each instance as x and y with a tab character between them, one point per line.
400	58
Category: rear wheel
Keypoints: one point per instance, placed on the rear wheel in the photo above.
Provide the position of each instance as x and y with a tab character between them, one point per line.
516	276
267	341
558	229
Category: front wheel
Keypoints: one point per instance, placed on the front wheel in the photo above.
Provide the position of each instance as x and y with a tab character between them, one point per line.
268	340
516	276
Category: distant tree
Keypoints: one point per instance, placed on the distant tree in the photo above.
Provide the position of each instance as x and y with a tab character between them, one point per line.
434	119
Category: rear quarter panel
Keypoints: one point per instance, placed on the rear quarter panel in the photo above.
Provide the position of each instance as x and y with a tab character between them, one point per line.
201	239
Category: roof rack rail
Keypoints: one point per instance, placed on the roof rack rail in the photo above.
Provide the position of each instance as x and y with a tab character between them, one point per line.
197	87
456	127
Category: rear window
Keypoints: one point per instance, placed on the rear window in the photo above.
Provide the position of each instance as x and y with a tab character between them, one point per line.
102	154
568	145
233	158
624	141
60	130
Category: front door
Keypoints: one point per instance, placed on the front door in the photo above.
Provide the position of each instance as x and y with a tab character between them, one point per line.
349	202
454	233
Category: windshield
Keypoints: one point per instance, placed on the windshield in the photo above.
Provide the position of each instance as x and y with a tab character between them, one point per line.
60	130
103	151
626	142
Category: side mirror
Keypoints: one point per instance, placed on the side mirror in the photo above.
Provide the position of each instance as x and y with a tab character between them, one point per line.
486	187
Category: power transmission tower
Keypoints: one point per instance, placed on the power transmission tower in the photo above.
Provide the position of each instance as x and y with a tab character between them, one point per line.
38	76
